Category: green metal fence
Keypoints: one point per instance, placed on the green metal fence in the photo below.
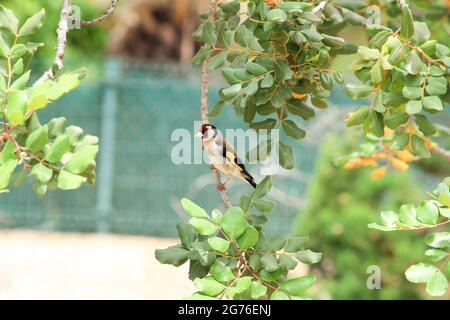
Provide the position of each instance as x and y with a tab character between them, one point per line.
134	109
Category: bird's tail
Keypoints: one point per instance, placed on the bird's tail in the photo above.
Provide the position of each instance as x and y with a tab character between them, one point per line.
248	177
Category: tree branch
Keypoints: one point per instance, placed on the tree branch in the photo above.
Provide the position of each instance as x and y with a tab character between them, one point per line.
204	110
441	151
63	29
107	13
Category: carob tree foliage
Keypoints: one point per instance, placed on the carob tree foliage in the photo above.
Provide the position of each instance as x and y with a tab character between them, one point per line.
275	56
54	155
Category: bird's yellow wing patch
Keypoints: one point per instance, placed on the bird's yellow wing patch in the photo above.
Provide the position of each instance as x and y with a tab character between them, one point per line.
232	157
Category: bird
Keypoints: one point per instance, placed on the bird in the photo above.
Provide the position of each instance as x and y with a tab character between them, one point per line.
223	156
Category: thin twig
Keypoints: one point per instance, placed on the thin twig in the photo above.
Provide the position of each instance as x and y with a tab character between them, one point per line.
204	110
63	29
107	13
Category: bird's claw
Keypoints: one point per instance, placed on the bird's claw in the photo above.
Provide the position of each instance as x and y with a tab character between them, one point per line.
221	186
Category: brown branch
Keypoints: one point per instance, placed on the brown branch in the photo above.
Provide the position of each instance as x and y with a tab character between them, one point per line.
106	14
204	110
441	151
63	29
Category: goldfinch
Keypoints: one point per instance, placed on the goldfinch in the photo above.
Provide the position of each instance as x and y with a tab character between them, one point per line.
222	155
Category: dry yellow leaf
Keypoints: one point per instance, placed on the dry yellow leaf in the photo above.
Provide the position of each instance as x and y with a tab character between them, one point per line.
378	173
405	155
298	96
399	164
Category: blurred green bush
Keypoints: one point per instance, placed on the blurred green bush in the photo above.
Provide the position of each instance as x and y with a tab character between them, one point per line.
84	45
341	204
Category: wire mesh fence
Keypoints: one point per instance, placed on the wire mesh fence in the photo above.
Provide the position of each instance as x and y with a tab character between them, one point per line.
134	109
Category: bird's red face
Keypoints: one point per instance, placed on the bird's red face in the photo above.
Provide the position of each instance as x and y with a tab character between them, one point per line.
206	131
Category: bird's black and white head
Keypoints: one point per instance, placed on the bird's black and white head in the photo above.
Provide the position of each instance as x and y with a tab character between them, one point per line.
207	132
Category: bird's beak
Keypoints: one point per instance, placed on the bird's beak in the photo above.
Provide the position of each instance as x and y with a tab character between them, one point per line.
199	135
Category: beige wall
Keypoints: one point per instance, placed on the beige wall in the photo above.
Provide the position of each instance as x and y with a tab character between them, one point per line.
39	265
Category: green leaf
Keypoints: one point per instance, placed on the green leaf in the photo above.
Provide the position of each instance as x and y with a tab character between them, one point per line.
81	159
42	173
69	181
292	130
393	120
203	226
276	15
217	61
186	233
209	34
286	156
219	244
279	295
257	290
201	55
174	255
407	215
287	262
233	222
209	286
267	82
269	262
436	254
298	285
418	147
15	117
193	209
32	24
407	28
21	82
6	170
282	70
66	83
358	91
308	256
241	285
369	54
221	272
427	212
437	285
295	244
298	108
437	86
389	218
376	73
262	188
58	149
413	107
38	102
8	152
264	205
37	140
248	239
412	93
433	103
426	126
267	125
420	273
8	20
358	116
439	240
380	227
232	91
255	69
413	63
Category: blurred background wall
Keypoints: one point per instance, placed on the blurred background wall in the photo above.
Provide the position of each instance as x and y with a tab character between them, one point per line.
139	88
